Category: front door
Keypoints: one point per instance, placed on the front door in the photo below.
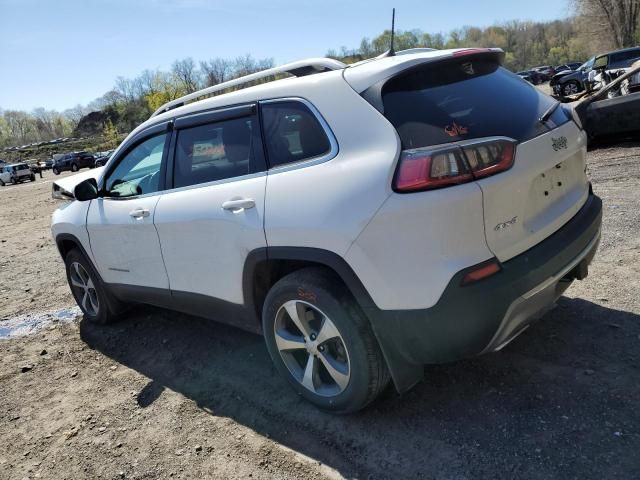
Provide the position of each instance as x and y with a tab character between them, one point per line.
123	239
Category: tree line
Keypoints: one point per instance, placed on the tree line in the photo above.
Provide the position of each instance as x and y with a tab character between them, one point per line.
598	26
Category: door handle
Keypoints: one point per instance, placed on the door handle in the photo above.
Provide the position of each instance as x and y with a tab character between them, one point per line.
139	213
238	204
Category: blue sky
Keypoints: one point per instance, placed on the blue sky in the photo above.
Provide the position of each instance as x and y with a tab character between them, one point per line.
58	53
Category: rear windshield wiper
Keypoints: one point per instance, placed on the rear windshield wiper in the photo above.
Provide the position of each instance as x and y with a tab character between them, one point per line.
546	115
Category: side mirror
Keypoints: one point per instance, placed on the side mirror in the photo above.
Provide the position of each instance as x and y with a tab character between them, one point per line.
86	190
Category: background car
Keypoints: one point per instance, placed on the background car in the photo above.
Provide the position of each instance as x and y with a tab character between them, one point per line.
568	67
614	116
568	83
16	173
73	161
46	164
102	158
545	72
530	76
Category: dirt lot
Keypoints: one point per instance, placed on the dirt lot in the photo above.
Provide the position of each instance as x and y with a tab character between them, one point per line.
162	395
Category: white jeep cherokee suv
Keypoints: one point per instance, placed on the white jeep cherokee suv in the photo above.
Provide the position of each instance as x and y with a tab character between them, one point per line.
366	219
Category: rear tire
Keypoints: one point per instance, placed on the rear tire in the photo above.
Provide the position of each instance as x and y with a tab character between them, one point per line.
74	167
96	303
329	353
32	178
2	183
14	181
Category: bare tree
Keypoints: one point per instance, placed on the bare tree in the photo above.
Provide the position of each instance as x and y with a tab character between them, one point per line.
75	114
246	65
186	73
616	18
215	71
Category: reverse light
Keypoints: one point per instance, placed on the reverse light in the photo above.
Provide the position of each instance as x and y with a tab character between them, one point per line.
490	158
482	271
427	168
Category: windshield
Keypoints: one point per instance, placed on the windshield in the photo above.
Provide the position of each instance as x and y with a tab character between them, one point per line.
587	65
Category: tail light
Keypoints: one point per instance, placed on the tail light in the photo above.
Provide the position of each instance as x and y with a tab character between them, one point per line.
427	168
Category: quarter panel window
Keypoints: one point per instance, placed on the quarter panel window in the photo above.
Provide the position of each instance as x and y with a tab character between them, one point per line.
292	133
138	173
215	151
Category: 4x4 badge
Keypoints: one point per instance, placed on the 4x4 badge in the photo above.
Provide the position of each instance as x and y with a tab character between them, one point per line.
559	143
503	225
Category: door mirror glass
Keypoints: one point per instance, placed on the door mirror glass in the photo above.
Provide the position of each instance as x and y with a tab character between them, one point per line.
86	190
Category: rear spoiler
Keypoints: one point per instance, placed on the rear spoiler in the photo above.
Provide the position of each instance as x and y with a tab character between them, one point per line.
369	79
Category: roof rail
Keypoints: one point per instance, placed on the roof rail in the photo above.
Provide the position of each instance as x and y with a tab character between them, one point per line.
298	69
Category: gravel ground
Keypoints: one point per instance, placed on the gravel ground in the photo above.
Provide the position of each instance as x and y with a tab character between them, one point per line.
163	395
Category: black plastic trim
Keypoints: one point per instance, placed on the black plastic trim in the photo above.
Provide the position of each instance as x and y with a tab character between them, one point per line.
195	304
306	254
212	116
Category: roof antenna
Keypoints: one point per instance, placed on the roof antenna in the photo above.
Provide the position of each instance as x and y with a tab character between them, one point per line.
391	52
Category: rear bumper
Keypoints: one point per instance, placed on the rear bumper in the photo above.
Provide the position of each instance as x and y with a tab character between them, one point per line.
485	316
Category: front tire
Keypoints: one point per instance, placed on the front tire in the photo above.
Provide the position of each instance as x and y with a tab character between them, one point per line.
321	342
55	171
570	88
74	167
97	305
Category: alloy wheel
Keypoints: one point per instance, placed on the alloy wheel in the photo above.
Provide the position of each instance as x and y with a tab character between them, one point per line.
84	289
570	89
312	348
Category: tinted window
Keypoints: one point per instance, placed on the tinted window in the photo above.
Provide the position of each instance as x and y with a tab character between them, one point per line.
462	99
138	173
214	151
601	62
292	133
624	59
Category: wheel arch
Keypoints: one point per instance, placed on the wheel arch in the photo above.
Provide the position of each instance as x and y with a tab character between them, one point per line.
66	242
265	266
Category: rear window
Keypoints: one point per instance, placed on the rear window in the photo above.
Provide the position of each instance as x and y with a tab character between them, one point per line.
464	98
292	133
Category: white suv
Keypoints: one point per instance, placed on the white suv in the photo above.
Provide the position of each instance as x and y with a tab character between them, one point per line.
366	219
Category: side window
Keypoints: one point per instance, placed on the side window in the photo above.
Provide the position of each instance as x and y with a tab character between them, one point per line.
138	173
215	151
600	62
292	133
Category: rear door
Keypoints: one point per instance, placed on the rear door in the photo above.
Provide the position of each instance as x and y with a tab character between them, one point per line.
214	214
471	99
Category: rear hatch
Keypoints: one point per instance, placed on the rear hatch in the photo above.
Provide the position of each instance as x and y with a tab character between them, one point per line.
468	99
